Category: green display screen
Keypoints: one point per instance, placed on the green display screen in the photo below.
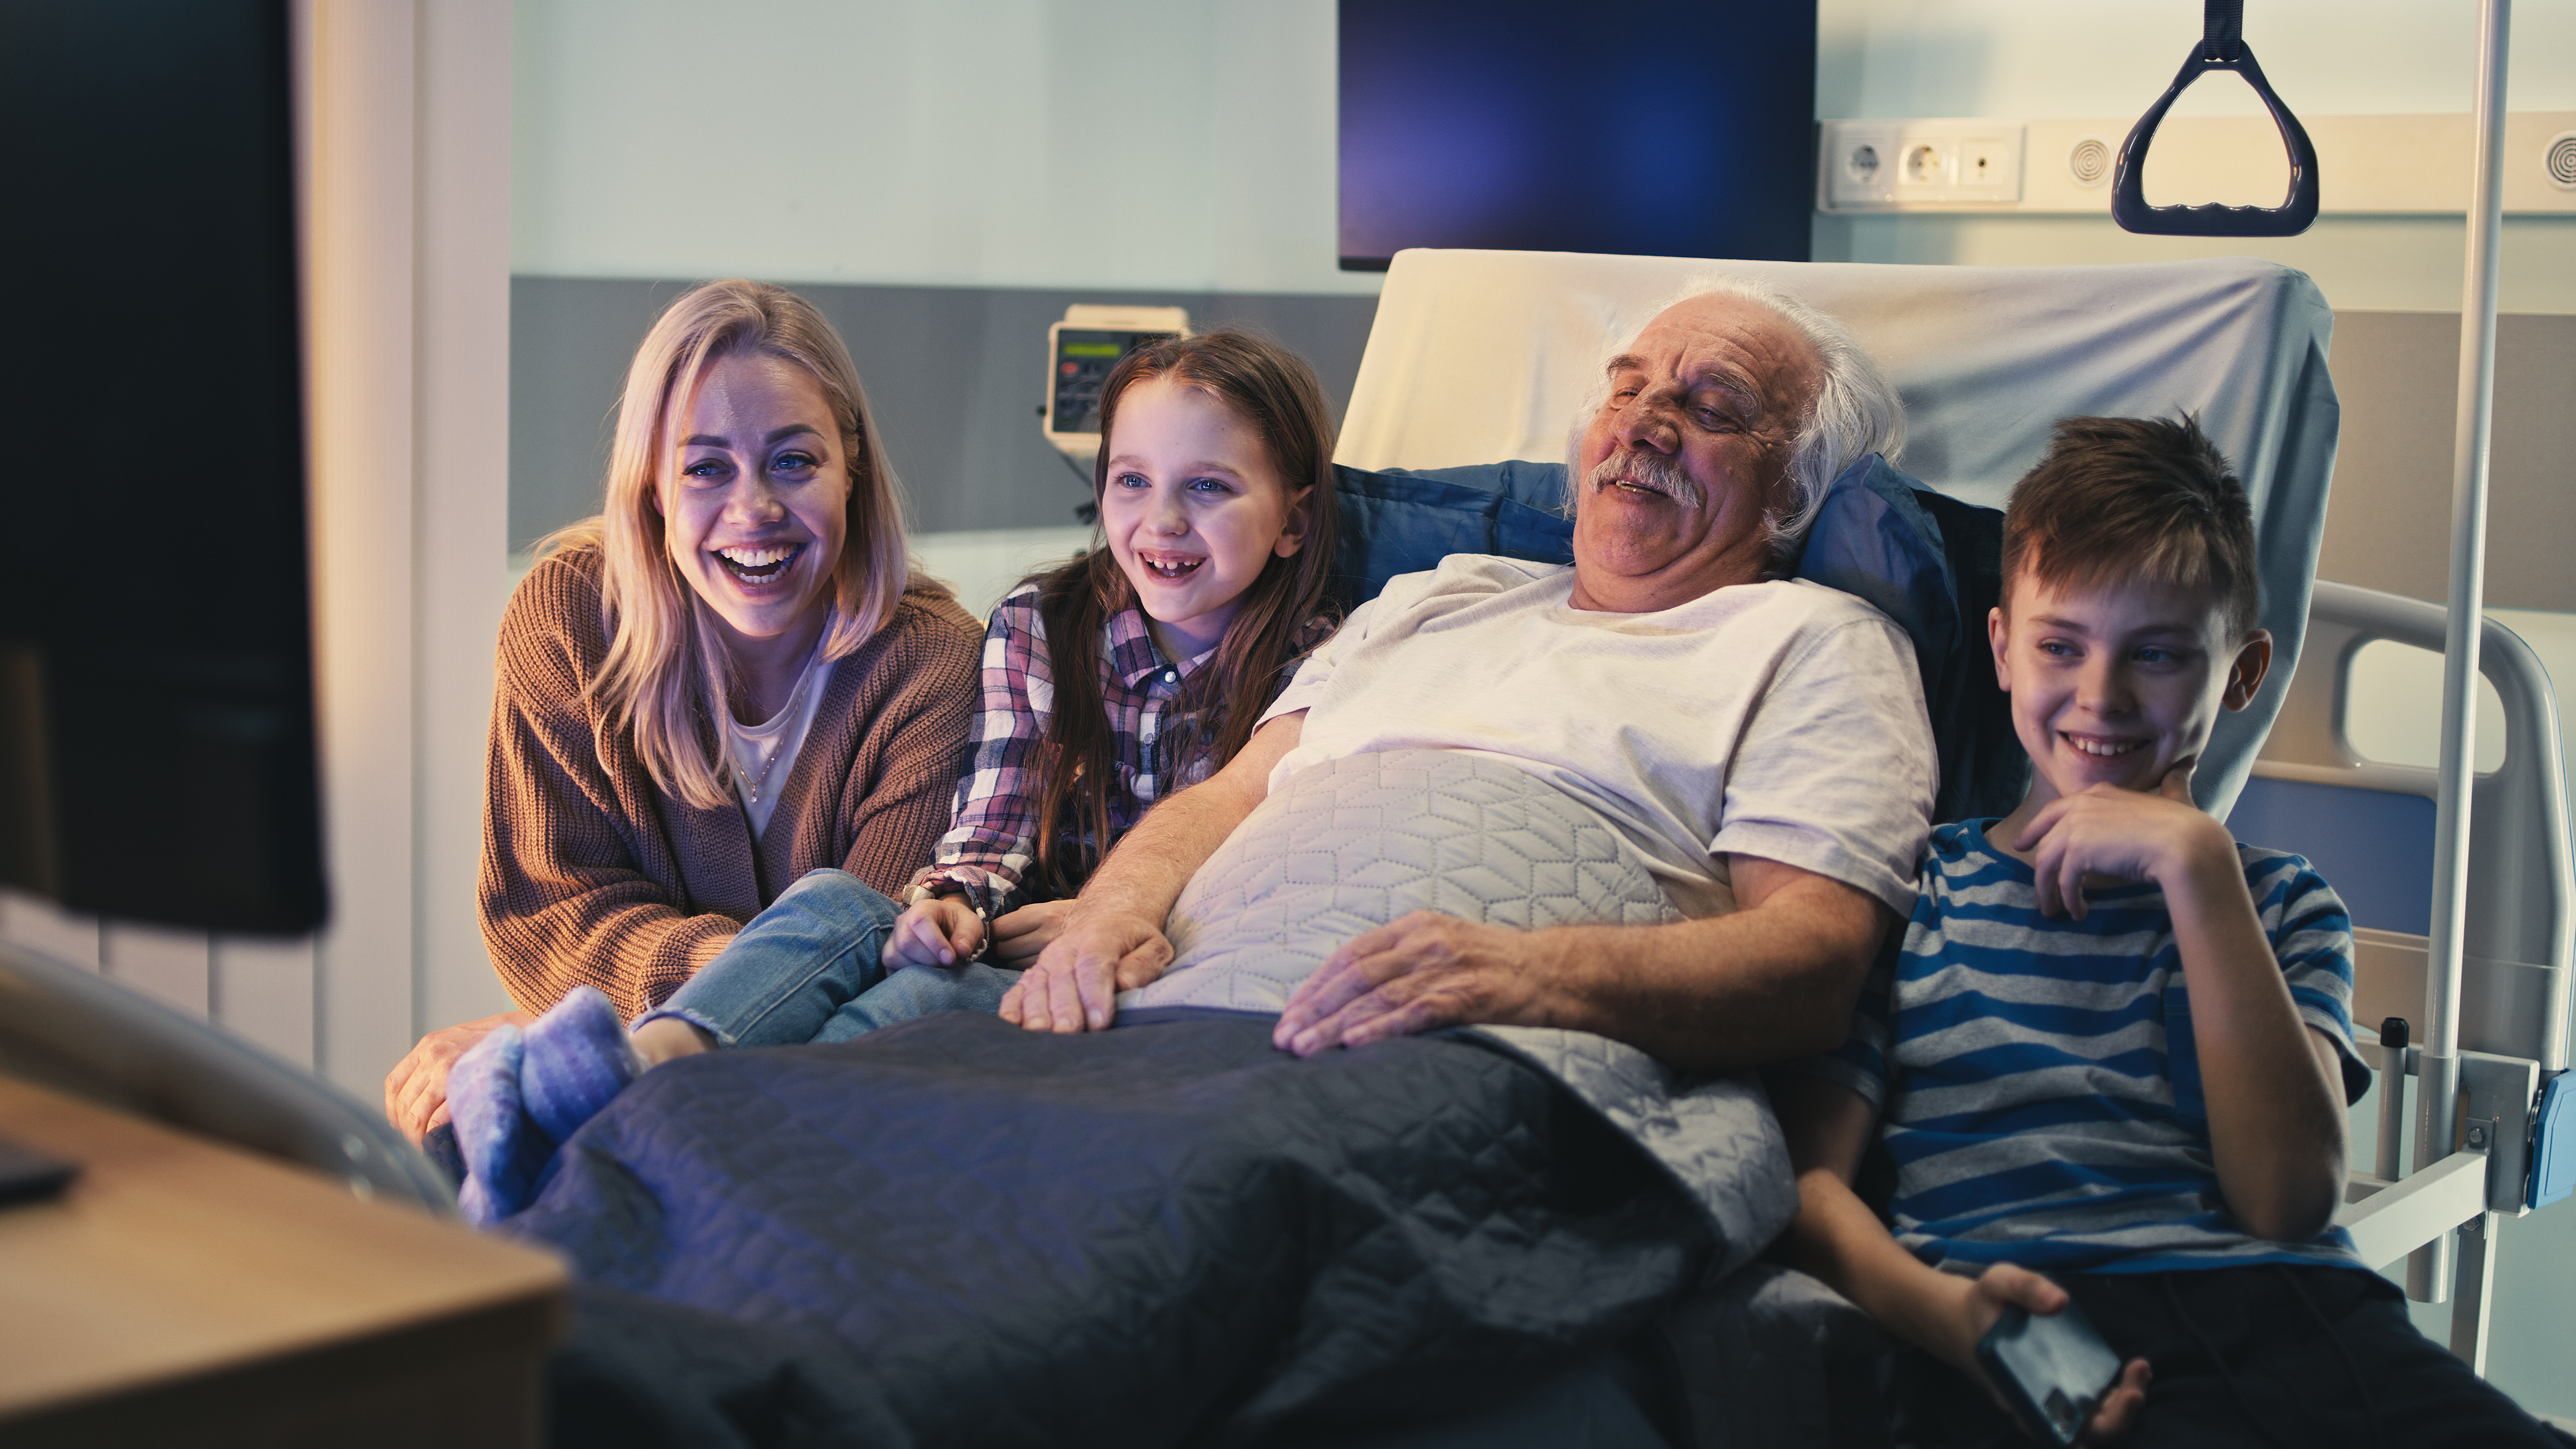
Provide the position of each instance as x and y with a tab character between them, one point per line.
1083	360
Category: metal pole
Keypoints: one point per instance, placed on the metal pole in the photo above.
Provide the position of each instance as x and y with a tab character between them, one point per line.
2437	1087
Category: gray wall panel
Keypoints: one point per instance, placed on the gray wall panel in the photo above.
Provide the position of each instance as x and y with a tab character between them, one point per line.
955	375
2389	524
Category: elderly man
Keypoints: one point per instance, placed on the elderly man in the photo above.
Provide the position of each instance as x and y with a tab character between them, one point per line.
1760	742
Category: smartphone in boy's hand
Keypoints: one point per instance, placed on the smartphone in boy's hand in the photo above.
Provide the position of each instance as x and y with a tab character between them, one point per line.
2052	1370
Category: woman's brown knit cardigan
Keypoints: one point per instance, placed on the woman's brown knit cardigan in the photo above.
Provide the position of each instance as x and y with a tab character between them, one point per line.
591	874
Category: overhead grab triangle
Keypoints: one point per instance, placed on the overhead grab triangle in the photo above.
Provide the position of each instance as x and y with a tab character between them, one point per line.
2222	47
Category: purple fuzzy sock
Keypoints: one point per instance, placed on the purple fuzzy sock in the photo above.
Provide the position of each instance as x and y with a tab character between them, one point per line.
504	1152
577	1061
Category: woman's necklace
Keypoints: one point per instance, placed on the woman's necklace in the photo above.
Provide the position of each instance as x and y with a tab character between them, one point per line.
751	786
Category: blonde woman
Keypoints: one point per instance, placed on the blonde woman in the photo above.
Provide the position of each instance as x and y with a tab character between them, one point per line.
728	679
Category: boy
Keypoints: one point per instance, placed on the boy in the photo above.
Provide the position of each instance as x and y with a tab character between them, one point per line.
2117	1046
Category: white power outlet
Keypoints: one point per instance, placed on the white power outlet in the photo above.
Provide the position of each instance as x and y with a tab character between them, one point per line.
1925	163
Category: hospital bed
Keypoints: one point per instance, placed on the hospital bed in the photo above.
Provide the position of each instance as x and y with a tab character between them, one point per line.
1478	357
1482	355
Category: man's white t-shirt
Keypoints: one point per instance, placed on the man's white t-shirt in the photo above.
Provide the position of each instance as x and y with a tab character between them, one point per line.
1783	720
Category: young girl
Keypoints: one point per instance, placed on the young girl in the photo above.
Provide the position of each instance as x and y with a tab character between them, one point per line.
1108	682
1138	669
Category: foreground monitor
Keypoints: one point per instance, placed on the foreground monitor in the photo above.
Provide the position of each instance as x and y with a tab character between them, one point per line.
156	689
1681	128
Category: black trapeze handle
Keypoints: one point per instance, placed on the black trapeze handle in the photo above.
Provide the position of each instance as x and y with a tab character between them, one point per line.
2222	47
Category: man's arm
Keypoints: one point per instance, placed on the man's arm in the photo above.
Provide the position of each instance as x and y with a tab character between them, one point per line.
1112	941
1775	978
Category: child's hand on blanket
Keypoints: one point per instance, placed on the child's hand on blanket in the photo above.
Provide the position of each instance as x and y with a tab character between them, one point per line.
934	931
1977	1303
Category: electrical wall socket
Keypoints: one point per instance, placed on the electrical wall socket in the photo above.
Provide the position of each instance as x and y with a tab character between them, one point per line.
1922	163
1871	164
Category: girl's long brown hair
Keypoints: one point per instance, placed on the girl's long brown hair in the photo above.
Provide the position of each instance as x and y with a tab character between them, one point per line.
1275	391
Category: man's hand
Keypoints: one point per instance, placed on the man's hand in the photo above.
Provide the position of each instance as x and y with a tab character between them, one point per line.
416	1089
933	931
1978	1304
2124	834
1423	972
1075	984
1019	936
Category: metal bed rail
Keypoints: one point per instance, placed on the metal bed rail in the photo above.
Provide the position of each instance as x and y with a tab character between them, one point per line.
2509	1004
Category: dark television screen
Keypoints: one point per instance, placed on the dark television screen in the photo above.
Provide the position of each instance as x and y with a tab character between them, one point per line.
1658	128
156	692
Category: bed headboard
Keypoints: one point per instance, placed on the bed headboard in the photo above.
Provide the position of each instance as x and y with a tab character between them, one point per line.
1479	356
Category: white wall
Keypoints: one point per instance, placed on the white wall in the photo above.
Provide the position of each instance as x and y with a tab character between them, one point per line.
408	380
2021	58
1900	58
1183	144
1168	144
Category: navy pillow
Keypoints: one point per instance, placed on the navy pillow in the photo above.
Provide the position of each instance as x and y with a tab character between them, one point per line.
1928	561
1398	522
1934	565
1873	540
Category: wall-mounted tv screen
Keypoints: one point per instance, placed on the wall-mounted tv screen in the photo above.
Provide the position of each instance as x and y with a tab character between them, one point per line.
156	679
1656	128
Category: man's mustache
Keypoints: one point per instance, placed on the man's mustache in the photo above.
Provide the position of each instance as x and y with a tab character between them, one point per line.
1646	470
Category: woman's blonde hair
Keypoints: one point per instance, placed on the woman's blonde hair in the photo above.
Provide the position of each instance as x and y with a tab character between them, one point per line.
667	672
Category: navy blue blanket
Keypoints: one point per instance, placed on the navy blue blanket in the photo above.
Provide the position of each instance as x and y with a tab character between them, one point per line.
956	1232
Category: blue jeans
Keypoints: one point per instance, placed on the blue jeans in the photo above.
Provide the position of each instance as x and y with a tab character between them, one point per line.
807	970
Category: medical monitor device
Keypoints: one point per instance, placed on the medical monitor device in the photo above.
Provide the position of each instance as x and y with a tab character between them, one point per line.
1081	350
1681	128
156	678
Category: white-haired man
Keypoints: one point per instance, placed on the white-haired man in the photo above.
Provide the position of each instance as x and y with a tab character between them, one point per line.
1759	742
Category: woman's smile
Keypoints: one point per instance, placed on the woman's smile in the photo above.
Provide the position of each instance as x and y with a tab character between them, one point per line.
759	566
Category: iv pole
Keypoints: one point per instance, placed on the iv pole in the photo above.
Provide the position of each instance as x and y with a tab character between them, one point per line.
2429	1269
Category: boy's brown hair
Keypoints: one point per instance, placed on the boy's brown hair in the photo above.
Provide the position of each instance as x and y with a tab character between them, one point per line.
2150	500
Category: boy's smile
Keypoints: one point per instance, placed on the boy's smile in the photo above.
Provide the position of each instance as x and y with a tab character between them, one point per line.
2116	683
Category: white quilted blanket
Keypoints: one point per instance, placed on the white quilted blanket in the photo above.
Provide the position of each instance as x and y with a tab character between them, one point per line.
1357	842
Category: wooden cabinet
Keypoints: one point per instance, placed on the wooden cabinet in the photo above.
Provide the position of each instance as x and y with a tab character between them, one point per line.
184	1291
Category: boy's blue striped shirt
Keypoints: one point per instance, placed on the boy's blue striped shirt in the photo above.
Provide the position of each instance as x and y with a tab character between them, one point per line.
2037	1079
